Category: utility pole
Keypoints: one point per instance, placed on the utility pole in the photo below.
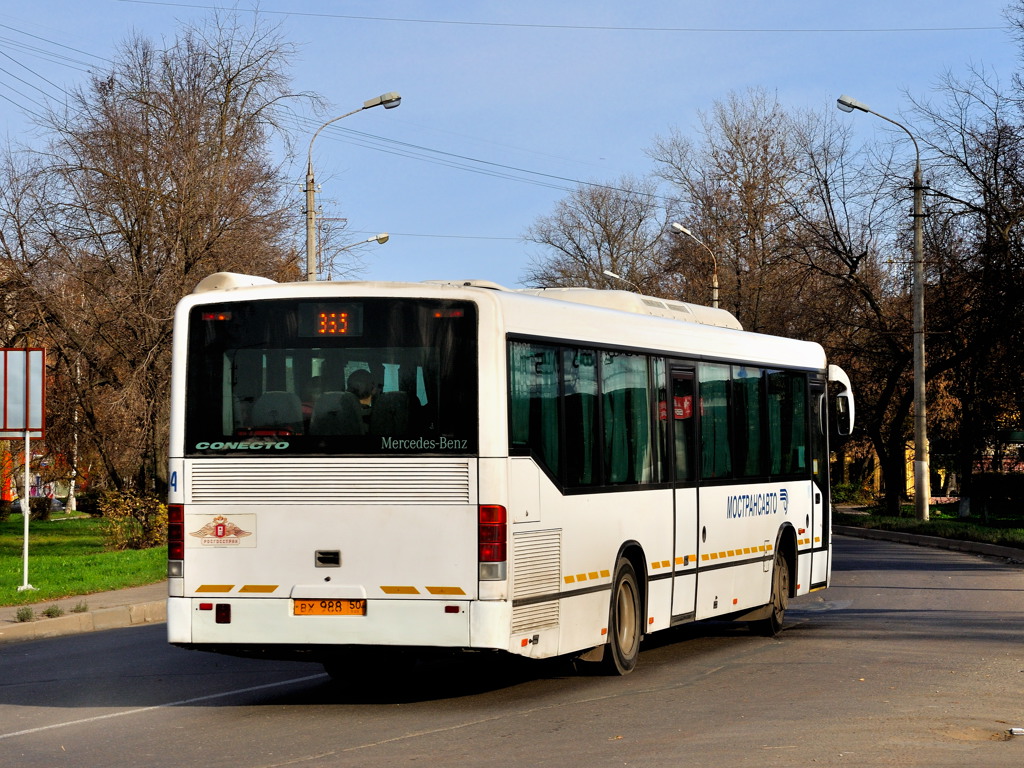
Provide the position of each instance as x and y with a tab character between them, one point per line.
922	472
388	101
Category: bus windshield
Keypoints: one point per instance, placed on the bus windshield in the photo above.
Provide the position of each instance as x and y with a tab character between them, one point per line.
321	377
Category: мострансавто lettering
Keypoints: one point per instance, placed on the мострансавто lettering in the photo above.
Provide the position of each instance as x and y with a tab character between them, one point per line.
751	505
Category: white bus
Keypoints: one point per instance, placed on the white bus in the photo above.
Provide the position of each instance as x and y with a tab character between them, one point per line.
358	467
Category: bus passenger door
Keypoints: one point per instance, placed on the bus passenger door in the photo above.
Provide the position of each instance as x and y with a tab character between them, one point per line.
821	507
680	420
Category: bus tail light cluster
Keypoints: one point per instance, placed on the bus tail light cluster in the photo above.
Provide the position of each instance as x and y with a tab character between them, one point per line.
175	540
493	542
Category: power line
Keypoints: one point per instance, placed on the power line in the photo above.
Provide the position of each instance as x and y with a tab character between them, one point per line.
52	56
57	58
26	82
578	27
465	162
433	156
445	237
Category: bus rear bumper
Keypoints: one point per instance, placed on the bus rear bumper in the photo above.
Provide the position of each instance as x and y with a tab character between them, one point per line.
193	622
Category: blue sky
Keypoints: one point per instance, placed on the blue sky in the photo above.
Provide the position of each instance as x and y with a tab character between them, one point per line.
502	102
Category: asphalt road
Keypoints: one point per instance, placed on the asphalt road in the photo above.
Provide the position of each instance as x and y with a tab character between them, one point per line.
915	657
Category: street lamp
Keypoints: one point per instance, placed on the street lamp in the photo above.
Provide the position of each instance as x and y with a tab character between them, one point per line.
922	479
714	262
382	238
620	277
386	100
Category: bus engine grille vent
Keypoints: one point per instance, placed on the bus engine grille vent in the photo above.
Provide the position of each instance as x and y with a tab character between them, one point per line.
230	481
536	574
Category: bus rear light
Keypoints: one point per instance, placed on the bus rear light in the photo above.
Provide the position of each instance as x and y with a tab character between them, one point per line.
493	530
175	532
222	613
492	542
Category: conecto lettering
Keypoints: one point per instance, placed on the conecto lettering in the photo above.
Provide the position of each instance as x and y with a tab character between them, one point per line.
241	446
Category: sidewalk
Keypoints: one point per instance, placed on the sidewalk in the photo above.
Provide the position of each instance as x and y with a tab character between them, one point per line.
105	610
1012	554
147	605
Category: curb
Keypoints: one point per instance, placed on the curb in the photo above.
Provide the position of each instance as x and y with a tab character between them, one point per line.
104	618
1013	554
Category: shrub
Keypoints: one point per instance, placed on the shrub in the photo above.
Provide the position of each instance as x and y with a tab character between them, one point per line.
132	521
25	613
53	611
998	492
1008	485
39	508
88	502
849	493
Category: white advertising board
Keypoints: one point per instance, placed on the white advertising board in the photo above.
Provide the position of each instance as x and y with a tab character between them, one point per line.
22	393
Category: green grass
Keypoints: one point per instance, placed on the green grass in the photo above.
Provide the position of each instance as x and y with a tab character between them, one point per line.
68	557
1006	530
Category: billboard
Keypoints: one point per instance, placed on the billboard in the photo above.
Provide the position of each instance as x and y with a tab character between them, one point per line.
22	393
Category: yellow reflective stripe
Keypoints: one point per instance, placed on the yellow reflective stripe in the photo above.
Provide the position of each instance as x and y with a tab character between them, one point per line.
445	590
572	578
215	587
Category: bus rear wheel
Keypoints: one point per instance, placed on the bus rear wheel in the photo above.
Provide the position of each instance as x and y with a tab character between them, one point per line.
625	625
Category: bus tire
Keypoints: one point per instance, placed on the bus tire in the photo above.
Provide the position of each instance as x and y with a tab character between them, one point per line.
625	623
772	625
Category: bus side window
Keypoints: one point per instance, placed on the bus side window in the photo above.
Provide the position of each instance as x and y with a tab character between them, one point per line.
716	452
579	383
747	385
534	401
682	416
787	422
628	439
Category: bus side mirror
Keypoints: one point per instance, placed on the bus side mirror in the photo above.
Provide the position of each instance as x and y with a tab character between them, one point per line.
842	401
841	414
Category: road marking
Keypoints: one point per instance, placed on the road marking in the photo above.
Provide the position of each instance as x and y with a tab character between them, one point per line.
181	703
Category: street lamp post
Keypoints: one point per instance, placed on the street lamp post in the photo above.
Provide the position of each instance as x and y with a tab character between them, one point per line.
382	238
714	262
922	477
620	277
386	100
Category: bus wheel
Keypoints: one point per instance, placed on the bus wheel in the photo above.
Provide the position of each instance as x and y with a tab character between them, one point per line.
625	624
771	626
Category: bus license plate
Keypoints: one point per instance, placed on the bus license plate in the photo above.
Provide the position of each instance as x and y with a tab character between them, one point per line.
329	607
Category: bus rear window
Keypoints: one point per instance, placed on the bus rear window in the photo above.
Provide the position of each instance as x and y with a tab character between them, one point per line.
347	377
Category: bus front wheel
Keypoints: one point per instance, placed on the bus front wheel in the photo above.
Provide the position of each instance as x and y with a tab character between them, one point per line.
625	624
772	625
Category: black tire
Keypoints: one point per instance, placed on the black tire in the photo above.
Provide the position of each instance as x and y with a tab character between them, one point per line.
772	625
625	622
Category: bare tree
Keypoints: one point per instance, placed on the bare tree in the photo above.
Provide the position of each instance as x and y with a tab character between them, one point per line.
600	228
850	230
157	174
973	130
733	189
